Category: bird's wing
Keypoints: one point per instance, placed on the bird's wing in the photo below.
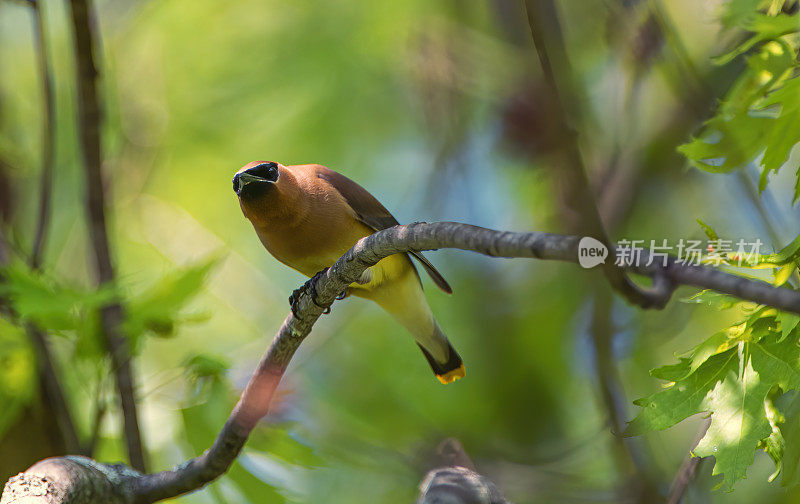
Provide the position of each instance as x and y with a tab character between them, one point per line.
370	211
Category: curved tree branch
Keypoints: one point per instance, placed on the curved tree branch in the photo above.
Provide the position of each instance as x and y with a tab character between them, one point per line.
254	403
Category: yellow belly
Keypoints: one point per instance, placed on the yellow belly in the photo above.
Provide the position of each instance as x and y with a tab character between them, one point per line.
309	252
393	283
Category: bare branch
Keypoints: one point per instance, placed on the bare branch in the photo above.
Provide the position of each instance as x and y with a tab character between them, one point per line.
69	479
688	469
112	315
48	137
51	390
255	400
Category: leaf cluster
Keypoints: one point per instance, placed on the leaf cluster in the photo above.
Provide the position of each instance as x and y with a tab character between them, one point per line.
736	375
57	308
756	122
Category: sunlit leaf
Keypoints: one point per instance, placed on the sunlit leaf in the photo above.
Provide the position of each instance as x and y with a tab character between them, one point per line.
783	273
765	27
730	376
788	323
756	121
682	399
738	423
708	230
713	300
774	445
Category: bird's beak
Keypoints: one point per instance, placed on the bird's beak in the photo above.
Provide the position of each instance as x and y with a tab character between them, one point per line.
244	178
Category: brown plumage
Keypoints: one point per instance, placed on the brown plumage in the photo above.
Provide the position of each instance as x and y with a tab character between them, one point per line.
307	216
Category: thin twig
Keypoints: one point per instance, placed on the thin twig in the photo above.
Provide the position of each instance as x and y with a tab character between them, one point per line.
547	37
52	392
48	137
688	468
548	40
112	315
48	376
97	423
751	189
602	332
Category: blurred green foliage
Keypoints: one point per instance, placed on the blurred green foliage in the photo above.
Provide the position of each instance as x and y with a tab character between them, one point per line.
16	373
431	105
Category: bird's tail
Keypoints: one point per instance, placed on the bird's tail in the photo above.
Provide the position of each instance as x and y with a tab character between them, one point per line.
452	368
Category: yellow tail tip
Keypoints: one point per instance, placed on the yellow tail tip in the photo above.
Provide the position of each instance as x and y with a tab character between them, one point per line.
453	375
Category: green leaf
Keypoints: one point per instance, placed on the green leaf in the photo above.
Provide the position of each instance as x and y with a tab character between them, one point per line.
766	27
777	363
789	253
157	309
730	375
784	130
717	343
790	430
756	121
48	304
736	13
738	423
205	365
673	372
682	399
708	230
788	323
774	445
757	325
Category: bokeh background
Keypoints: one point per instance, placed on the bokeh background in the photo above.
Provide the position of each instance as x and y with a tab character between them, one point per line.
436	107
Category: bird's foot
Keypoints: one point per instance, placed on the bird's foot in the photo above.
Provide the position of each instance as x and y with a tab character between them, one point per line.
309	287
312	286
294	298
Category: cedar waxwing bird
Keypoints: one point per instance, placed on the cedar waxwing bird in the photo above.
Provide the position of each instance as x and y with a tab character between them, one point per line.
307	216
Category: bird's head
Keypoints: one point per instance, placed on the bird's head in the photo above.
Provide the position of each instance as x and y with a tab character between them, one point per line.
255	180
